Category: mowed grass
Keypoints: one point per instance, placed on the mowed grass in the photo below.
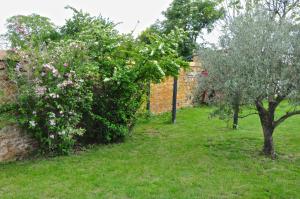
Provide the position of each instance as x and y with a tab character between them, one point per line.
195	158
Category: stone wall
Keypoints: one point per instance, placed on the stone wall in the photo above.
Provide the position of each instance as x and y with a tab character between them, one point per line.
14	144
161	94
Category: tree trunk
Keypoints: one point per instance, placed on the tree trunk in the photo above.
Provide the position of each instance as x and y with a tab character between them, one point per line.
236	111
148	98
268	148
267	122
174	101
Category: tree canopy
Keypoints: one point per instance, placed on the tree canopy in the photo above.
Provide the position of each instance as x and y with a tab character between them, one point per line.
193	16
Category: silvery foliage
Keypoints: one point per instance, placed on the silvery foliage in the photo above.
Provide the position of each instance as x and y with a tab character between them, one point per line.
259	59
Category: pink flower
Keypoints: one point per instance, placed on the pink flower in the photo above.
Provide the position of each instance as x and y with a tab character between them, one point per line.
66	65
40	90
52	69
65	84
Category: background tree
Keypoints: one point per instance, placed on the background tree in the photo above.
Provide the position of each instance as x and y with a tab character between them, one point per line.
278	8
28	31
193	17
264	56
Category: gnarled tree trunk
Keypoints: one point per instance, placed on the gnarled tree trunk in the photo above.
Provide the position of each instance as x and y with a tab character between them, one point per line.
267	122
268	148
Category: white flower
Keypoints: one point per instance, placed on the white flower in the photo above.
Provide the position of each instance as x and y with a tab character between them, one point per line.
106	79
51	136
34	112
62	133
52	115
71	112
161	71
53	95
52	122
32	123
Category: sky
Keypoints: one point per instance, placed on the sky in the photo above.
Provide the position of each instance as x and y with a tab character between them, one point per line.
131	14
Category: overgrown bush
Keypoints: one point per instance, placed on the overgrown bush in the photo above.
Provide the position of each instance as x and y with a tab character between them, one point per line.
89	80
51	97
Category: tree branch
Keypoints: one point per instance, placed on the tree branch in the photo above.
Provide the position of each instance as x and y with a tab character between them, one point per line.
248	115
259	106
293	5
286	116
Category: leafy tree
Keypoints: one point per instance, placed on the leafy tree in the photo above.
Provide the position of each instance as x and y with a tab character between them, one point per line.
192	17
29	31
261	56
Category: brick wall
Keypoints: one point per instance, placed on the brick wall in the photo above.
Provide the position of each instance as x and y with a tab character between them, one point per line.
161	94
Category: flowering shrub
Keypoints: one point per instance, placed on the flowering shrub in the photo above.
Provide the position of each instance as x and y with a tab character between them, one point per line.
51	100
87	83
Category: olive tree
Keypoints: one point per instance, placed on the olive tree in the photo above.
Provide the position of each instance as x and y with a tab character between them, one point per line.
261	56
224	82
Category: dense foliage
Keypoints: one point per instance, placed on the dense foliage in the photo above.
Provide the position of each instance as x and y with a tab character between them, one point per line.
259	61
86	82
191	16
51	99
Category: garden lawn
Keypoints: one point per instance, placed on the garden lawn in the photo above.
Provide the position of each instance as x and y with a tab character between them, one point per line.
195	158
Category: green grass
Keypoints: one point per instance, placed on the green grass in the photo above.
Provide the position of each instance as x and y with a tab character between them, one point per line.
196	158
